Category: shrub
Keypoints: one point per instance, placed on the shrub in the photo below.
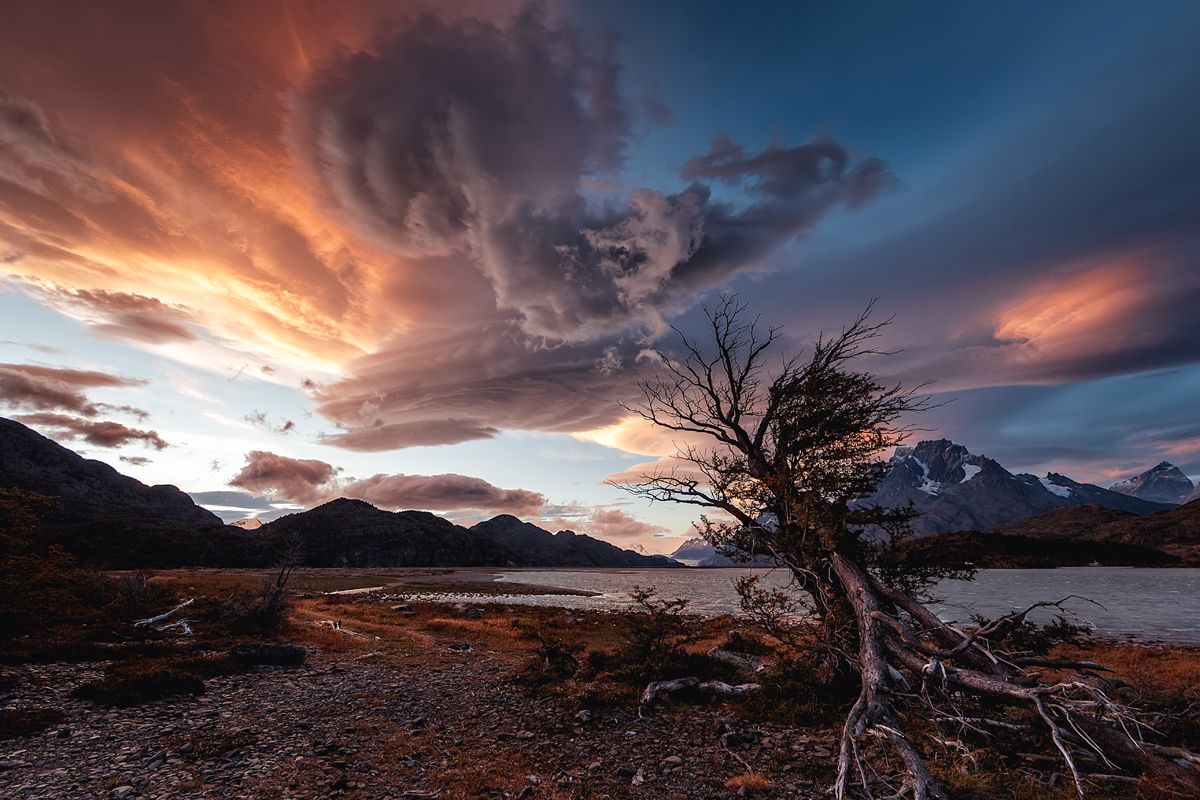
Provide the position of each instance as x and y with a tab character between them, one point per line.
45	593
655	634
267	654
774	611
1033	639
803	689
19	722
552	660
263	613
138	682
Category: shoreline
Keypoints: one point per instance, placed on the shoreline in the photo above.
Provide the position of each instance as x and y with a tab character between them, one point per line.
504	585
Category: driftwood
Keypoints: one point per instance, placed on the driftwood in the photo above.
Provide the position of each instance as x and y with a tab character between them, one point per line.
744	662
692	685
336	625
179	626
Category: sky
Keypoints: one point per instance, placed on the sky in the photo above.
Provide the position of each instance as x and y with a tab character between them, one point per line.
416	252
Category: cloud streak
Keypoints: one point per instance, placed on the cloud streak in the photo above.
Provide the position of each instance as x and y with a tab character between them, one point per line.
310	481
102	433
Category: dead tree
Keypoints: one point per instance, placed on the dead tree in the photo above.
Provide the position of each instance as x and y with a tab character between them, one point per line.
793	449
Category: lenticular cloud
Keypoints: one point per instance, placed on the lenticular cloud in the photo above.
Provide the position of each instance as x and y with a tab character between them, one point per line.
478	140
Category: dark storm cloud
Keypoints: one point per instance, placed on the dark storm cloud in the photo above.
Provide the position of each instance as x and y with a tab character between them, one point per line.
438	387
132	316
26	142
786	172
487	154
613	523
137	461
310	481
485	160
102	433
379	436
119	315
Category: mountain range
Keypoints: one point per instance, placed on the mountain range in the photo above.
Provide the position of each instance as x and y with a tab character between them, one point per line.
108	519
955	490
354	533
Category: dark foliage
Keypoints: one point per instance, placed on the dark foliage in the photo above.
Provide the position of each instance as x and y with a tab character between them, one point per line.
138	682
47	596
552	660
655	636
1027	638
16	723
269	654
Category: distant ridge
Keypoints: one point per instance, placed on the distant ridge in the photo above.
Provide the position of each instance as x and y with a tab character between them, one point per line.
353	533
1075	535
111	520
104	517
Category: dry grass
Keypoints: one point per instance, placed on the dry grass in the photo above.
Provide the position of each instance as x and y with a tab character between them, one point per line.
317	580
750	781
1161	669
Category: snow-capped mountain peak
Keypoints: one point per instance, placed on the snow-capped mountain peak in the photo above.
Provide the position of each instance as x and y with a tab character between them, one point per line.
932	465
954	489
1162	483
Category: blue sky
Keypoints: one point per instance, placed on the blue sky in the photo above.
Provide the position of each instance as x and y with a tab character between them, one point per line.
392	227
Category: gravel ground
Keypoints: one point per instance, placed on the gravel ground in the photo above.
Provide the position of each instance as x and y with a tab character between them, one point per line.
439	724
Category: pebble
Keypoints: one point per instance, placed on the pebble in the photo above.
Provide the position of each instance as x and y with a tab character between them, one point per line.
393	727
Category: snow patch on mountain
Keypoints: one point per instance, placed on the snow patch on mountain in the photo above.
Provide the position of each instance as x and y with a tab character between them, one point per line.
1061	491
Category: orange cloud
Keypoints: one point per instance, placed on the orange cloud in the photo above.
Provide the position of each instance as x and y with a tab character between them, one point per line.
394	199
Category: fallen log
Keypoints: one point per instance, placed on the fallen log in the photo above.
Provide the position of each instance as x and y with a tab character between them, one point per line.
692	685
744	662
180	626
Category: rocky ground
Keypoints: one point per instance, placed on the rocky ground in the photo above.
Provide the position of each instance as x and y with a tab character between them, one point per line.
368	717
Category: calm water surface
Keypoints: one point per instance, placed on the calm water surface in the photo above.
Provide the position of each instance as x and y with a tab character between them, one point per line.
1156	604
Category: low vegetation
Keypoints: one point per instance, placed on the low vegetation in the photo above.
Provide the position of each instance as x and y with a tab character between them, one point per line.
586	664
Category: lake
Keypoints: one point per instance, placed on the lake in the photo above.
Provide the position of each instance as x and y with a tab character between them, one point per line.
1151	604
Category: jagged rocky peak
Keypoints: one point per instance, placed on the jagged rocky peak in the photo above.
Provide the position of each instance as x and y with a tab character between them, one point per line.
693	549
934	463
1162	483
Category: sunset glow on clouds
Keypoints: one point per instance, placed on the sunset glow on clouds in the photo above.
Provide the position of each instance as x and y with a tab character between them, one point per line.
439	244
